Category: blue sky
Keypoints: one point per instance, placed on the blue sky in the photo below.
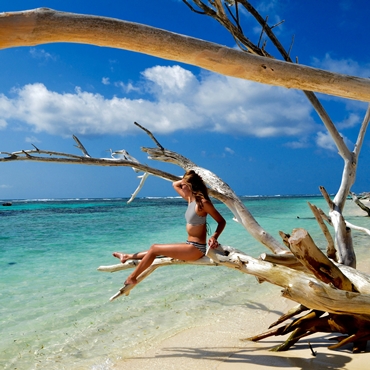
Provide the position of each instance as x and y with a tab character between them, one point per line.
258	138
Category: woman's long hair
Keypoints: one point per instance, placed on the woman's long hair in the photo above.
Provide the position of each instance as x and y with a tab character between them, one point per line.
197	186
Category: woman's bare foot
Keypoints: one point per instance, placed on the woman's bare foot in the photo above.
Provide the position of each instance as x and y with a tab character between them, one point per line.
130	281
123	257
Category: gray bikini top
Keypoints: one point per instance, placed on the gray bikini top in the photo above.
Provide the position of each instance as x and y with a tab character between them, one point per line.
192	217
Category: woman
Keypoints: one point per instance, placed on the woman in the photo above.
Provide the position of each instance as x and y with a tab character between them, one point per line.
192	188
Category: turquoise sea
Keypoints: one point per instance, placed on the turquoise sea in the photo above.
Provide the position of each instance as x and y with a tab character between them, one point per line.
55	311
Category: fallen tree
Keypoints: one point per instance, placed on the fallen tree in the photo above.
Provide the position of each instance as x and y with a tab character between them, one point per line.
340	293
336	295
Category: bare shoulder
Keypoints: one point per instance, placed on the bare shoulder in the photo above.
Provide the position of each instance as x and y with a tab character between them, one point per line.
212	211
207	204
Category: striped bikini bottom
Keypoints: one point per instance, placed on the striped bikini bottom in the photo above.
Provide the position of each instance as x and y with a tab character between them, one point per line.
201	247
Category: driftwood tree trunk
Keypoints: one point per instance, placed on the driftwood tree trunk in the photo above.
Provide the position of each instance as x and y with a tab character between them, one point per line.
337	295
42	26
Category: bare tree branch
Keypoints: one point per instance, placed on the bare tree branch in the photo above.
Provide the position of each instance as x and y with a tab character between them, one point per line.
298	286
40	26
362	132
330	249
80	146
218	189
151	135
143	179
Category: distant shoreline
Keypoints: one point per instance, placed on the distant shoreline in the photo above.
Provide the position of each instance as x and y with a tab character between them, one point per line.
149	198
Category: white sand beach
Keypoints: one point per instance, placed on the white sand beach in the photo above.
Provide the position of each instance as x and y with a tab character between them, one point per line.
221	346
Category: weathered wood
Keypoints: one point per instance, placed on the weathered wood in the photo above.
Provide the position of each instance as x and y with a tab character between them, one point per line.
285	238
291	313
359	203
288	260
359	228
298	286
41	26
317	296
359	279
300	328
356	330
345	252
304	248
330	248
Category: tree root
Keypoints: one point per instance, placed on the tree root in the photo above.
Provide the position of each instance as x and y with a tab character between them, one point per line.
356	330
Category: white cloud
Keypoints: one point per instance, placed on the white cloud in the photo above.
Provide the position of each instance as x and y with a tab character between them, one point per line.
170	82
244	107
267	6
229	150
126	88
39	53
105	81
299	144
325	141
351	121
3	123
32	140
344	66
176	100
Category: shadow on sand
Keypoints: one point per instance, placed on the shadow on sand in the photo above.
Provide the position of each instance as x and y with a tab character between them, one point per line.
257	356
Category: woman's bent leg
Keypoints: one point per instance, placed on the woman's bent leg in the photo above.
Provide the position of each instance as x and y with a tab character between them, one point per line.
181	251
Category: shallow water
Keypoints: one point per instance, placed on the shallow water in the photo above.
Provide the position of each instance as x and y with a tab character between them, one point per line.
54	305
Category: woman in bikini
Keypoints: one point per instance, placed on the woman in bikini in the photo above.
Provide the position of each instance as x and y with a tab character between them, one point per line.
192	188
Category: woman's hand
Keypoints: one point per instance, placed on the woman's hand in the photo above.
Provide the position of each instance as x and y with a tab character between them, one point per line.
182	189
212	242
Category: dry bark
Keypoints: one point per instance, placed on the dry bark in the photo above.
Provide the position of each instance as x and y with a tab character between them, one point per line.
41	26
331	252
306	251
298	286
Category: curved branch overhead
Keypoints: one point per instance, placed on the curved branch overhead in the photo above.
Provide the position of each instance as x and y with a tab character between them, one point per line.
42	26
